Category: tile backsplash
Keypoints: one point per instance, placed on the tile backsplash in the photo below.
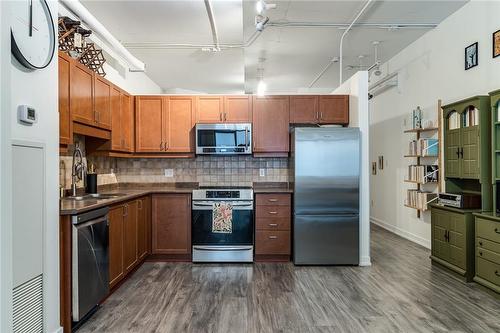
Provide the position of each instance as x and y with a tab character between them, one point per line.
205	170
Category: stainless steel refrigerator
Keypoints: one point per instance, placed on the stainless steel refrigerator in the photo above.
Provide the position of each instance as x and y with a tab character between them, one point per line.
326	164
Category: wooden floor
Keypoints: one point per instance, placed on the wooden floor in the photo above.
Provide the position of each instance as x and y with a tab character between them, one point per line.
400	292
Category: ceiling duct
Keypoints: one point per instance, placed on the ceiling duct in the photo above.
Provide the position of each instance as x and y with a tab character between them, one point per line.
211	18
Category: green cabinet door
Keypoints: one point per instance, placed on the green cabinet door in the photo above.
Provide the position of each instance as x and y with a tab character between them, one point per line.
457	240
440	221
452	151
470	152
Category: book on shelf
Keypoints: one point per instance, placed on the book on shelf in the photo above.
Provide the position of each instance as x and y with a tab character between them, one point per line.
471	117
416	118
453	121
423	173
423	147
420	199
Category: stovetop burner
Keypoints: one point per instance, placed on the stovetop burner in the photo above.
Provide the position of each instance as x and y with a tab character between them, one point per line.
225	187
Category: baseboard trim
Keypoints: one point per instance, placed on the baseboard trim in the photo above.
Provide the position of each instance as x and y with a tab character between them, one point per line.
59	330
365	261
400	232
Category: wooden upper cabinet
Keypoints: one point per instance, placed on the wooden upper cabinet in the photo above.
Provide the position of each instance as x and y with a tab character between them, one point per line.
171	224
102	102
179	124
65	122
271	124
82	94
238	109
210	109
304	109
149	124
127	122
334	109
116	119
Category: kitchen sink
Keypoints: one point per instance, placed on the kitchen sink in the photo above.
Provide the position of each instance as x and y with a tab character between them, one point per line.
96	196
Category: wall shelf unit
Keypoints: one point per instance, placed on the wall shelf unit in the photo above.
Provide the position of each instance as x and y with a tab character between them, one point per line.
428	197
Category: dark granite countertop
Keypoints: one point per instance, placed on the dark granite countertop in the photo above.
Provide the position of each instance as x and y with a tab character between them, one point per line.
131	191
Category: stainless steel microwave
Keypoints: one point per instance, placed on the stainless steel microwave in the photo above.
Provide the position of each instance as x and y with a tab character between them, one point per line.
223	139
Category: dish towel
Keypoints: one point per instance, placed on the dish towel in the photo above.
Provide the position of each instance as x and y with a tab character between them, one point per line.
222	217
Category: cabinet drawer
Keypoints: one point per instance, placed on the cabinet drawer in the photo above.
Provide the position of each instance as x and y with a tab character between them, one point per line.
488	230
276	223
272	211
273	199
488	271
272	242
488	245
488	255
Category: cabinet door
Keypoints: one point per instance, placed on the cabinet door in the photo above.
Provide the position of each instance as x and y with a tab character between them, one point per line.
304	109
116	119
102	102
470	155
65	122
127	119
143	222
334	109
116	271
82	91
210	109
149	124
171	224
452	151
440	221
238	109
270	124
179	124
457	239
130	235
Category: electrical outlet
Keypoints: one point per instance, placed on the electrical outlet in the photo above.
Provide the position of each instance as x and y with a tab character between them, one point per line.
262	172
169	173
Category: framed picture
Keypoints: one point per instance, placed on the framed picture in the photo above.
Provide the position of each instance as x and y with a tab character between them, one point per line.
374	168
496	44
471	53
381	162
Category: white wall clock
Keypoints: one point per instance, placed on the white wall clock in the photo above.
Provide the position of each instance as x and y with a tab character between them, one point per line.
32	33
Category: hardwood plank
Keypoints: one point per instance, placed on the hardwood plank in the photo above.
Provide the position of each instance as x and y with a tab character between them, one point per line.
401	292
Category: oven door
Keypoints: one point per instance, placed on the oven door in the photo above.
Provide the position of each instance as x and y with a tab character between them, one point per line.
223	139
242	231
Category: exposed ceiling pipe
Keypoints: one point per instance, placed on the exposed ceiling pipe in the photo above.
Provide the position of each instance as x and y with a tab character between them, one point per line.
134	64
393	26
215	37
332	61
345	33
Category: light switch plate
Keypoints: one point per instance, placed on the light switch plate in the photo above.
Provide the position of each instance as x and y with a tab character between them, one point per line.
169	172
262	172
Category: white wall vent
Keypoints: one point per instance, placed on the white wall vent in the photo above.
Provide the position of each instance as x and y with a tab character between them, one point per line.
27	306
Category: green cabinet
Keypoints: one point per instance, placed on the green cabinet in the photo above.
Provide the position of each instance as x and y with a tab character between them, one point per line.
452	153
487	229
453	239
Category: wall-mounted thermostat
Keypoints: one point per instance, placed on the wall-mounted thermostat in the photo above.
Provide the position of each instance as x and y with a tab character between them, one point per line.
27	114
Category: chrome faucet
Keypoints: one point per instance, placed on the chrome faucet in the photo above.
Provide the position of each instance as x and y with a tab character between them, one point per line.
77	168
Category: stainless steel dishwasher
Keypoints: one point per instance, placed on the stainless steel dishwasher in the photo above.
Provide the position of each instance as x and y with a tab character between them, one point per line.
90	261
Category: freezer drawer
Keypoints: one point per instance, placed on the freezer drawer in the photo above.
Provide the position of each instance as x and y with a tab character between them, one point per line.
326	240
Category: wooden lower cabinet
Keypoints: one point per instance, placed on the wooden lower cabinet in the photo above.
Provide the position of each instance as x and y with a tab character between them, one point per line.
272	226
171	225
128	237
116	270
143	227
452	245
487	229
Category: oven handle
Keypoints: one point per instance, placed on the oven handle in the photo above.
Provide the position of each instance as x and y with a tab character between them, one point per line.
196	204
208	248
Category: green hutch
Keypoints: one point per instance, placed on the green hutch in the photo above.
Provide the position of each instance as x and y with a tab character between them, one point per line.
487	224
467	169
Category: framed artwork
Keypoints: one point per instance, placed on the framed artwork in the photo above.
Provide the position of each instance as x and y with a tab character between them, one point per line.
381	162
374	168
496	44
471	54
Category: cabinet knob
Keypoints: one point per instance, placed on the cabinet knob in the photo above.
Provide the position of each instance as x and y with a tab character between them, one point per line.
496	273
480	253
166	146
497	231
161	145
273	200
480	243
220	116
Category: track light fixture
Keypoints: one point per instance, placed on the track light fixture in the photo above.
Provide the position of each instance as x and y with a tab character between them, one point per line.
261	6
260	22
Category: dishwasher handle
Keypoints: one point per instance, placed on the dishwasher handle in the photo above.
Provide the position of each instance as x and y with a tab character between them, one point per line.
92	222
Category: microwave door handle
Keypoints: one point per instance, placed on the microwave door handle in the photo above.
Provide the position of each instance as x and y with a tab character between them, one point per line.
246	137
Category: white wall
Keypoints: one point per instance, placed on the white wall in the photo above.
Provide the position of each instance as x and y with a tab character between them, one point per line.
357	89
38	89
431	68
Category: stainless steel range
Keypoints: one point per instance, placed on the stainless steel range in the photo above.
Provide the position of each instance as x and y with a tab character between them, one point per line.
214	246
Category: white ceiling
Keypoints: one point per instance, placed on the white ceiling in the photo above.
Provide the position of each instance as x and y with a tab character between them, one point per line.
294	56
